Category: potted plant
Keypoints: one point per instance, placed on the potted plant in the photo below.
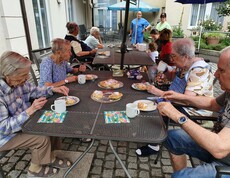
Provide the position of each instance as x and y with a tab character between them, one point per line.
213	38
177	30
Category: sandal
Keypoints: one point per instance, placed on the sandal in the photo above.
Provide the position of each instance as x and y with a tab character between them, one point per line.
145	151
85	140
45	171
61	163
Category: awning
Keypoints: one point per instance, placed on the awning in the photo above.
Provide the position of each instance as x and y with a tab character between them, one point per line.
144	7
198	1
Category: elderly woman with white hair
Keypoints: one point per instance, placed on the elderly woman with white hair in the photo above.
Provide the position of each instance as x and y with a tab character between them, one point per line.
16	108
54	69
193	77
94	39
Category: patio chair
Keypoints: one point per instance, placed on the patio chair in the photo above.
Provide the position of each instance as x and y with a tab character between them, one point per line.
83	33
37	56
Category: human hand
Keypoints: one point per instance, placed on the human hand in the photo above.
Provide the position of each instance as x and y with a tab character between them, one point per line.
62	89
71	79
93	51
82	68
172	95
36	105
167	109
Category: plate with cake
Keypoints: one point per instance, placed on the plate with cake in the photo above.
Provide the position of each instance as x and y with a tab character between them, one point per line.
140	86
91	77
106	96
70	100
110	84
146	105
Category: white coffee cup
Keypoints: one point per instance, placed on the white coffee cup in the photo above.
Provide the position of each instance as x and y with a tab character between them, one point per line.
132	110
59	106
81	79
161	66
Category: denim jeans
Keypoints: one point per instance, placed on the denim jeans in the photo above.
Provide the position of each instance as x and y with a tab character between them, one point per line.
179	142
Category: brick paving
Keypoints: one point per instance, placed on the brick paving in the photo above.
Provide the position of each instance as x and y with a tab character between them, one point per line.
104	165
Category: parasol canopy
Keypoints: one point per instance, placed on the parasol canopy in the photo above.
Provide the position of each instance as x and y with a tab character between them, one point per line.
144	7
198	1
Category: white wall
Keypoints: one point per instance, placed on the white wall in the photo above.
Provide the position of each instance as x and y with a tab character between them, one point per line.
13	34
58	19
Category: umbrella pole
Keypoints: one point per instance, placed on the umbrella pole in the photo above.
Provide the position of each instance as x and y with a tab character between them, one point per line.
123	45
136	24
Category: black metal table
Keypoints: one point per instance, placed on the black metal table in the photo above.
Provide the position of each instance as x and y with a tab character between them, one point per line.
86	119
133	57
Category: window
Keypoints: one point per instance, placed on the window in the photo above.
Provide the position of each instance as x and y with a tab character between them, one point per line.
70	10
104	17
201	12
41	20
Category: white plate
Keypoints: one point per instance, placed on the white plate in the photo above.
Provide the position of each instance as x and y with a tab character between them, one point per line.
151	106
134	86
91	77
105	98
73	98
109	84
102	57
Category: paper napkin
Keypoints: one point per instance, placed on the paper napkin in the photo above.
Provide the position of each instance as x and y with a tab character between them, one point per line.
115	117
52	117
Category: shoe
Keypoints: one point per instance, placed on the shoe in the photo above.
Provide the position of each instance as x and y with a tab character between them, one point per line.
46	171
85	140
145	151
61	163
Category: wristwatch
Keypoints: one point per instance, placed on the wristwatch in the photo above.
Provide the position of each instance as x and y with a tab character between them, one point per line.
182	120
66	81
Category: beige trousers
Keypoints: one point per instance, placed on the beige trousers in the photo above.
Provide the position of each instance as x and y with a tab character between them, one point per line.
40	147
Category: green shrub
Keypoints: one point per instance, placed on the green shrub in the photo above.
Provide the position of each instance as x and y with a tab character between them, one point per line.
225	41
178	31
219	47
146	36
211	25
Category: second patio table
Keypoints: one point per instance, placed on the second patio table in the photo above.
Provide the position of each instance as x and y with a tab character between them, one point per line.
133	57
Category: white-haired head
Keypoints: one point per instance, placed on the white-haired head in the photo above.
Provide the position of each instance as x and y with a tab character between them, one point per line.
93	30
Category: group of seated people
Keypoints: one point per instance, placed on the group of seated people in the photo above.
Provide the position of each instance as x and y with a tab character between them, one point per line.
191	84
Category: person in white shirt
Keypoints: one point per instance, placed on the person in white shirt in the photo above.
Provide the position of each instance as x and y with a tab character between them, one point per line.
94	39
153	53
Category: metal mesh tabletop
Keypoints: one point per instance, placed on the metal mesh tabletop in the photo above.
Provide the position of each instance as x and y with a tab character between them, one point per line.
86	119
75	125
140	129
104	75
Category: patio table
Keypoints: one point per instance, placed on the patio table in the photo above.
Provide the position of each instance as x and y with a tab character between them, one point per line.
86	119
133	57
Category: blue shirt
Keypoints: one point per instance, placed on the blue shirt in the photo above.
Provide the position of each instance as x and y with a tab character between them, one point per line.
141	25
52	72
13	103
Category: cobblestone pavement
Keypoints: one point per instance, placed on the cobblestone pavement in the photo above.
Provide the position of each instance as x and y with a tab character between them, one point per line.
16	162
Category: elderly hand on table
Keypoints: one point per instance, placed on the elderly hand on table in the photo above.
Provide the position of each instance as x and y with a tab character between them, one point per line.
173	96
167	109
62	89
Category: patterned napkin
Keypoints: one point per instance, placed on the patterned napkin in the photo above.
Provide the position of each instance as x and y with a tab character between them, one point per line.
52	117
115	117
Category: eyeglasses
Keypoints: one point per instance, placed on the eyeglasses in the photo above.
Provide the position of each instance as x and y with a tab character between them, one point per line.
172	56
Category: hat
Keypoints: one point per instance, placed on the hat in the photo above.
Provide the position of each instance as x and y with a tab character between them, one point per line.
163	15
